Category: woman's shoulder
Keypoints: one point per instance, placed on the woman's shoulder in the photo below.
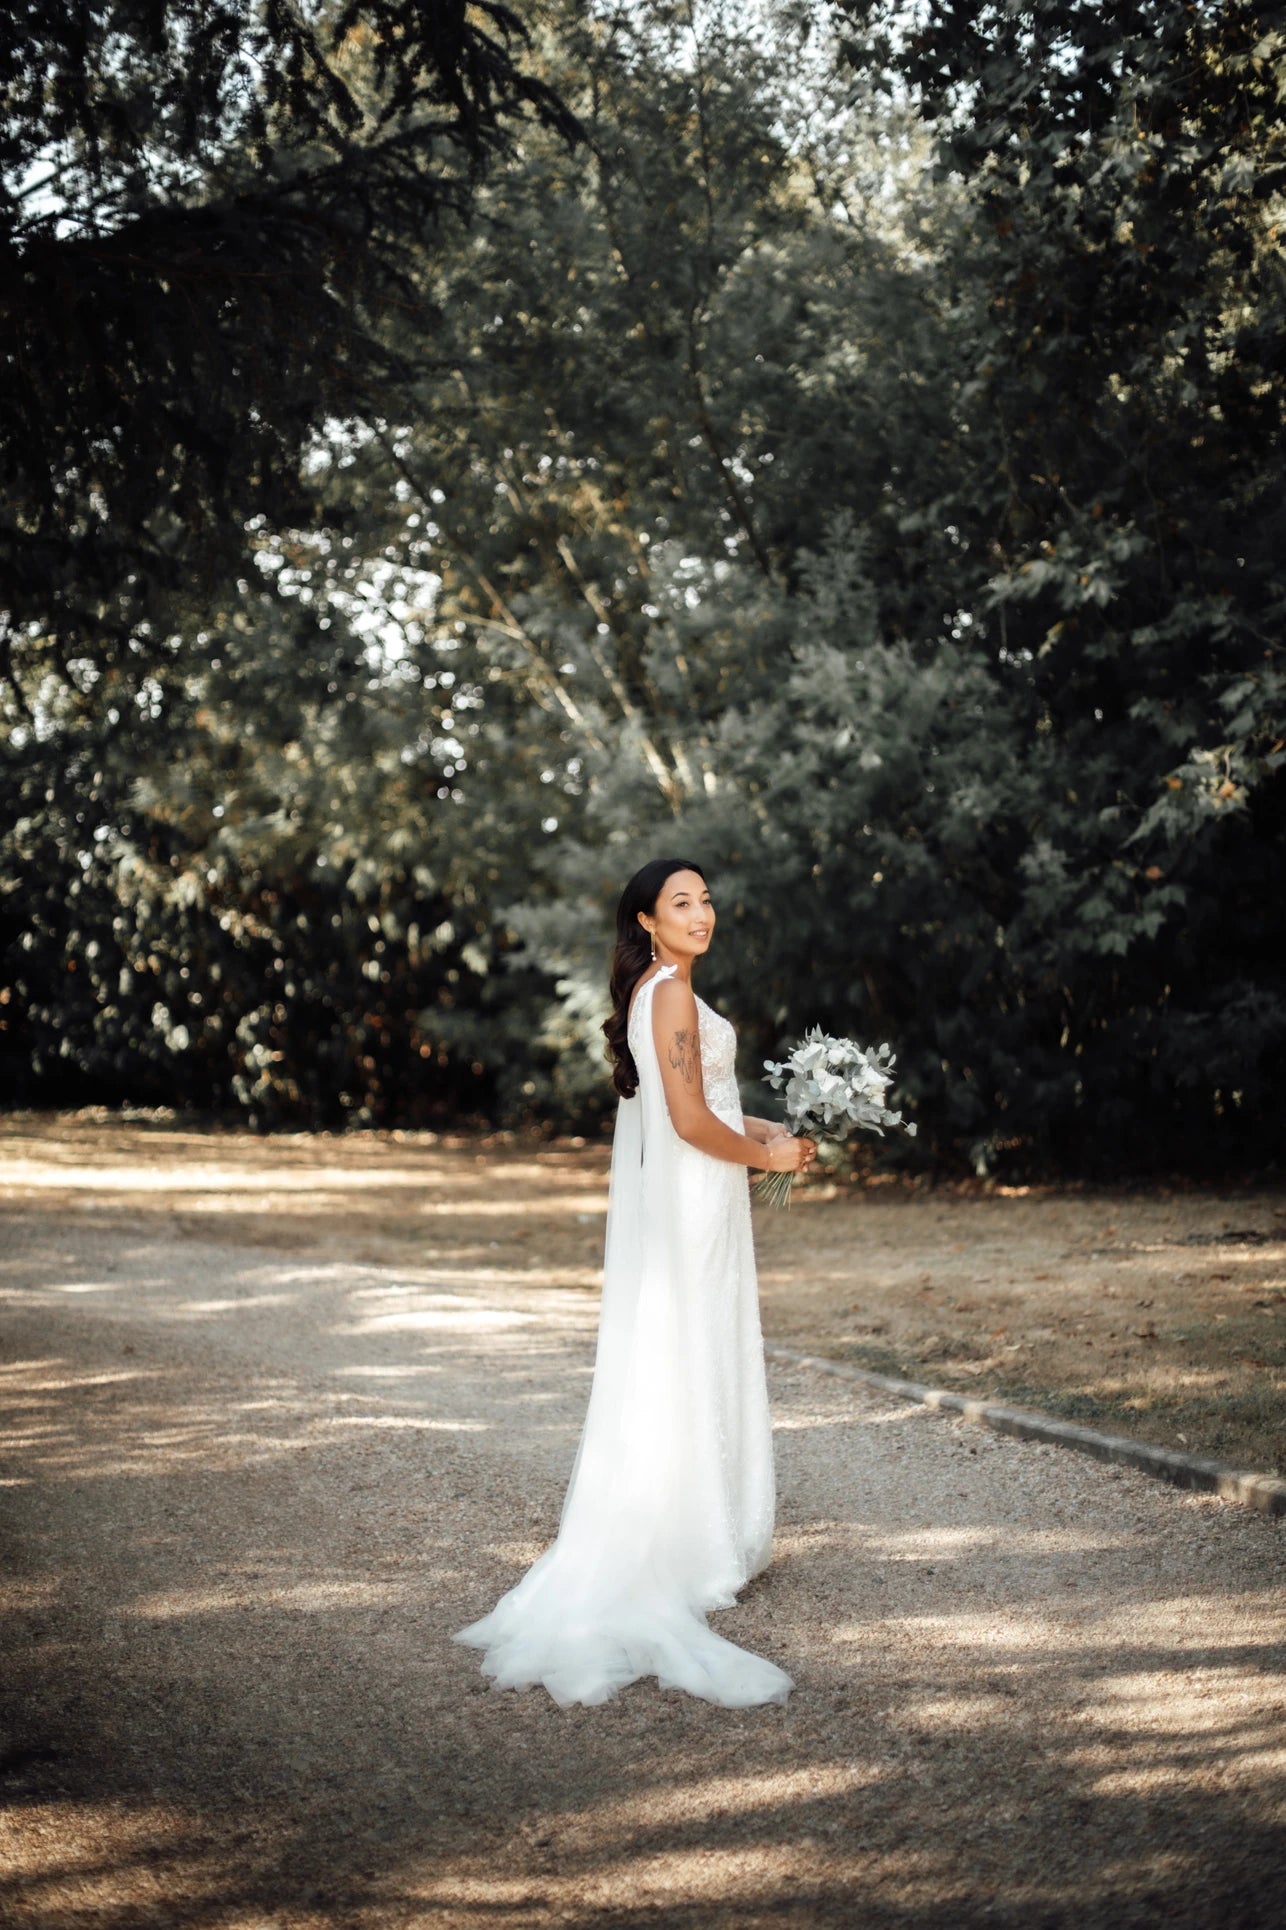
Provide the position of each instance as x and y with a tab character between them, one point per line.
674	1000
661	976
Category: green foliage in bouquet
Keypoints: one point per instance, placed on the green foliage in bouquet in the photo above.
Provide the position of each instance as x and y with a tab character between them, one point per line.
832	1088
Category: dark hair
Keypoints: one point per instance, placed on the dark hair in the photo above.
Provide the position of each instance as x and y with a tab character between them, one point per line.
631	959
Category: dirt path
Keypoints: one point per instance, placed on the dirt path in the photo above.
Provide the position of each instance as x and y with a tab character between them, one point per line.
247	1496
1159	1312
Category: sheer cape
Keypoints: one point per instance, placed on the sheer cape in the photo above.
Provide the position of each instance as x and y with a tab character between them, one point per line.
669	1509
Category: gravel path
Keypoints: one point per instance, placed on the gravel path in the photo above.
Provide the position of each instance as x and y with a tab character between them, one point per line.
247	1497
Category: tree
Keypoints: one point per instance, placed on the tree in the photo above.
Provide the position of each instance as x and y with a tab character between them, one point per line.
207	213
1117	514
505	632
768	494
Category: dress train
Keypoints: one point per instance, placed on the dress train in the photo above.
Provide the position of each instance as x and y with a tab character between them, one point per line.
669	1509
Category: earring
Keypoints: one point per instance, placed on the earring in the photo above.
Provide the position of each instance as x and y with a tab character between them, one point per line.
652	937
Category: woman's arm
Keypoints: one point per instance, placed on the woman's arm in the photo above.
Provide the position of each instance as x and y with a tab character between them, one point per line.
678	1048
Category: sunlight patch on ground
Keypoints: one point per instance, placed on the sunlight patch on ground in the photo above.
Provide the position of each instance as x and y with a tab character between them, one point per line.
454	1319
298	1598
411	1309
1182	1726
241	1303
405	1370
958	1712
408	1421
1201	1700
716	1795
761	1879
1251	1621
202	1187
99	1847
946	1544
802	1423
72	1383
1249	1765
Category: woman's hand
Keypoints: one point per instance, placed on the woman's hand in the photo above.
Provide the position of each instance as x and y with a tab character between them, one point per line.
790	1155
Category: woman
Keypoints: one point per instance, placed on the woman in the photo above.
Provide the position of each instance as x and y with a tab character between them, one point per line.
669	1511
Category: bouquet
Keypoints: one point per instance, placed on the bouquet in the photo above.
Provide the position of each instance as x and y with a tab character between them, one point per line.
833	1086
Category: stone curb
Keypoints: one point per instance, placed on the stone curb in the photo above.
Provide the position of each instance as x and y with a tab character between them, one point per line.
1264	1492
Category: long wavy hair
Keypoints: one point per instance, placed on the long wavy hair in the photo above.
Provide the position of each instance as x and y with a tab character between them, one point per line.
631	958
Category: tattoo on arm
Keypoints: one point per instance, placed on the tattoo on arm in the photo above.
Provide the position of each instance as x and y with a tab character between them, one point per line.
685	1056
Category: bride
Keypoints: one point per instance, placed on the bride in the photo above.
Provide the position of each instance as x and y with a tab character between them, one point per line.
669	1510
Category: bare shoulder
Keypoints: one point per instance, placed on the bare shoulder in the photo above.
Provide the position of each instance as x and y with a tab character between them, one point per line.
673	1003
678	1037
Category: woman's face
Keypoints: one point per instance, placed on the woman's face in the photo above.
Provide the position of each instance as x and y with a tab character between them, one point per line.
682	923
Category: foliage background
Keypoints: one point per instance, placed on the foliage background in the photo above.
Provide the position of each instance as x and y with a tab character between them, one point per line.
841	445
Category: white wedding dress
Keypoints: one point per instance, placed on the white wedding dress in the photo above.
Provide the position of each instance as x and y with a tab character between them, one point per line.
669	1510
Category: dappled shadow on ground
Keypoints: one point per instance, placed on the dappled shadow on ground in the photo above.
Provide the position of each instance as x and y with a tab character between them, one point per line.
385	1198
248	1501
1158	1311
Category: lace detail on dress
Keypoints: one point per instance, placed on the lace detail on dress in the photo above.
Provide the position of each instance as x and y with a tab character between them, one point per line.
719	1061
718	1054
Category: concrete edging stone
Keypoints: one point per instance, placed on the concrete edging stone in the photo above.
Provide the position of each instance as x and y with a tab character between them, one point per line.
1264	1492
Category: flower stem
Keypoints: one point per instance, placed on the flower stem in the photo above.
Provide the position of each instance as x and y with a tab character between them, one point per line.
774	1188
